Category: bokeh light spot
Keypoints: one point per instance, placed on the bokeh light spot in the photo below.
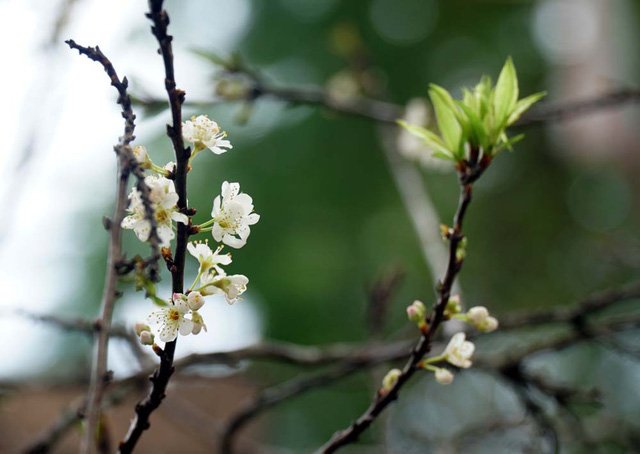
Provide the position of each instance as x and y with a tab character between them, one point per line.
403	22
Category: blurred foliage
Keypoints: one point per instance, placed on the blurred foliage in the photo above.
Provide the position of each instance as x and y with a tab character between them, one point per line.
332	220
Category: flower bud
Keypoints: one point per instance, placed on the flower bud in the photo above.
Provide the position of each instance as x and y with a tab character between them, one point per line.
477	315
453	305
198	323
446	232
195	300
141	327
390	379
443	376
461	250
417	312
490	324
178	296
141	156
146	338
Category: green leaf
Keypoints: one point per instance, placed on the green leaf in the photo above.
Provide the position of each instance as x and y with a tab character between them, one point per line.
439	154
429	138
478	135
507	143
523	105
506	93
469	100
482	93
450	129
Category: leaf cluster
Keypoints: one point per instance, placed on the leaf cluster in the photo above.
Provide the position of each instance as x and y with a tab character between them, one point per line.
478	121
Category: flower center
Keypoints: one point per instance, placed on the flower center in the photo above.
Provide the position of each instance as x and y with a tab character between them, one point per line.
163	217
174	315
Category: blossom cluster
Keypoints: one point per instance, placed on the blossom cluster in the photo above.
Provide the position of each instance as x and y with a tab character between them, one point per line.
459	350
231	217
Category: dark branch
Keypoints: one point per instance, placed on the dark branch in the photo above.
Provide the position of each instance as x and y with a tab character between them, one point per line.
161	376
468	172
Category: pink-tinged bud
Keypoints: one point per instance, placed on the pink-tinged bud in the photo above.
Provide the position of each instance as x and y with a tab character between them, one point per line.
195	300
391	379
443	376
490	324
478	315
141	327
146	338
416	312
178	296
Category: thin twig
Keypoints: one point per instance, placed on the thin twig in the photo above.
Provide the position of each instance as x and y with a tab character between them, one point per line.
362	355
359	360
389	113
46	441
88	327
559	112
99	375
162	374
468	173
584	308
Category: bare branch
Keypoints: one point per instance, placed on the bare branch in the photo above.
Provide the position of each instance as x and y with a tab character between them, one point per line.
584	308
99	374
389	113
88	327
362	356
47	440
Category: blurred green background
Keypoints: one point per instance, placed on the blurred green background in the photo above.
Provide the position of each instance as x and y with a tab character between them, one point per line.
553	221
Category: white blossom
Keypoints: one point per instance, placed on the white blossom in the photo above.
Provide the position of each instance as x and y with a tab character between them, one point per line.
230	286
205	133
207	258
489	325
195	300
172	319
477	315
170	167
141	156
459	351
232	215
444	376
163	199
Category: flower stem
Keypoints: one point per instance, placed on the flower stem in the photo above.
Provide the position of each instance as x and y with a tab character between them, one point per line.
160	170
208	223
195	280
